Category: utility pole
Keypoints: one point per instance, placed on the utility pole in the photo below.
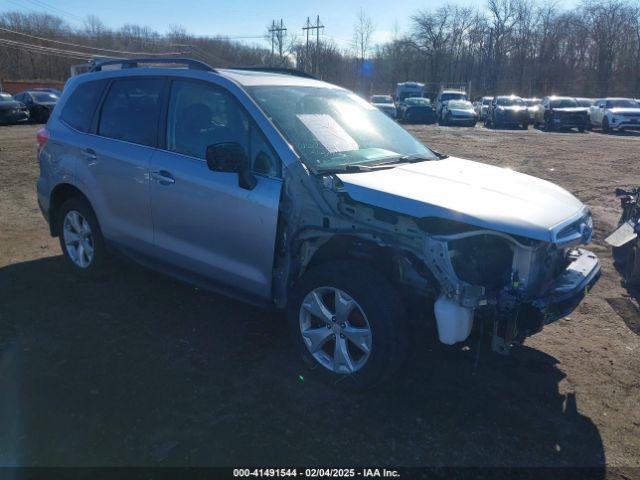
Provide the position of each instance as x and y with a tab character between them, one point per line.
317	28
306	29
277	32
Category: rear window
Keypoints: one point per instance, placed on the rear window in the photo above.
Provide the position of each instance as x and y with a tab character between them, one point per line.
79	108
131	110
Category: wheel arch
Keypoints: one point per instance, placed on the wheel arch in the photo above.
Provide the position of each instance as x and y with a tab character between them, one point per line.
60	194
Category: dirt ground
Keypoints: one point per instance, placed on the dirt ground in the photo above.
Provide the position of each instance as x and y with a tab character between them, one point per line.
140	369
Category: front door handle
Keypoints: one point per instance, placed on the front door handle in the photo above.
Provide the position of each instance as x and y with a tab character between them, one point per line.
89	154
163	177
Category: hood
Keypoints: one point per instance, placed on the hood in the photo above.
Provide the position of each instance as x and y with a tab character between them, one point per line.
470	112
571	110
469	192
619	111
46	104
10	105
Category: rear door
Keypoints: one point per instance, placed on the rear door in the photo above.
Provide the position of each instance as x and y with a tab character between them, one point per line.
204	222
115	161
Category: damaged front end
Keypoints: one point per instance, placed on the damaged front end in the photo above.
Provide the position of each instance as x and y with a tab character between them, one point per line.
513	285
509	284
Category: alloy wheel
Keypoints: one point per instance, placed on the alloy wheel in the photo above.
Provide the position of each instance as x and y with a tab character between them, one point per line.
335	330
78	238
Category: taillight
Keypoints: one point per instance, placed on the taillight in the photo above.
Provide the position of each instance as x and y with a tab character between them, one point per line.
42	137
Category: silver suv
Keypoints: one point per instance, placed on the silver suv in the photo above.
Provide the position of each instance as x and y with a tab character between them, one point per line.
299	195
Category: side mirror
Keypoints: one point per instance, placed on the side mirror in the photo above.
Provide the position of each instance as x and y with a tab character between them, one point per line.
230	157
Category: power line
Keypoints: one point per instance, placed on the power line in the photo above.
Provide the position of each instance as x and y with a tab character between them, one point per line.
122	52
59	53
47	8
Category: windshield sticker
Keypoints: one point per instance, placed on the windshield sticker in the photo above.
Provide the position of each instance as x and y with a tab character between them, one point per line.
328	132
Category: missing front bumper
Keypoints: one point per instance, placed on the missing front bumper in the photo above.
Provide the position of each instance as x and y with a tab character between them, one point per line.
516	319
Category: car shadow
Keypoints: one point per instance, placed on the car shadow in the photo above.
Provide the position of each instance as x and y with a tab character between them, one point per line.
618	133
624	306
137	368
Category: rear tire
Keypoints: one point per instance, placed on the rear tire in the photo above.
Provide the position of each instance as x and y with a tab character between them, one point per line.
372	304
81	238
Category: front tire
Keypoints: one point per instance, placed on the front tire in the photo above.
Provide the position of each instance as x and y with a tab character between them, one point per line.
347	322
81	239
605	125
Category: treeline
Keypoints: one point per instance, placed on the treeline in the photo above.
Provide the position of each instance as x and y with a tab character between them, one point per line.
45	46
521	46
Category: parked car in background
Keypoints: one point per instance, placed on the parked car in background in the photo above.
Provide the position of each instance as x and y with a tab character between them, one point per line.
40	104
12	111
445	96
385	104
298	194
458	112
507	111
47	89
533	104
416	110
615	113
483	107
406	90
557	113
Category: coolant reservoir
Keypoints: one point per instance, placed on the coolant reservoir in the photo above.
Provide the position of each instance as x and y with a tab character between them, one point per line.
454	321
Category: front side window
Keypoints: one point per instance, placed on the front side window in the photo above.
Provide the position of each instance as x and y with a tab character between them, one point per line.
201	114
331	128
131	110
79	108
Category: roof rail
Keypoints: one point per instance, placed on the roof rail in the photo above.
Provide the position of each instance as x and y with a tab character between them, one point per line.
281	70
97	65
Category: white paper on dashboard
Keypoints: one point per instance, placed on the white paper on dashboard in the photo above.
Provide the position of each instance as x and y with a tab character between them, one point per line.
328	132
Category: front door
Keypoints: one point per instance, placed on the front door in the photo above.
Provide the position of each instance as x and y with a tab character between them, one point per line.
203	221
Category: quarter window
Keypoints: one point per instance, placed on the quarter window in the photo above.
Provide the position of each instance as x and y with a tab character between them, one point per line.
131	110
79	108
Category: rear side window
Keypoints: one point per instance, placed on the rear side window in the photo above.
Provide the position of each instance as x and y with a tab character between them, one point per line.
131	110
79	108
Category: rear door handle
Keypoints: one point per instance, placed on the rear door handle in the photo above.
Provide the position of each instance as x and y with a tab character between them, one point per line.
163	177
89	154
